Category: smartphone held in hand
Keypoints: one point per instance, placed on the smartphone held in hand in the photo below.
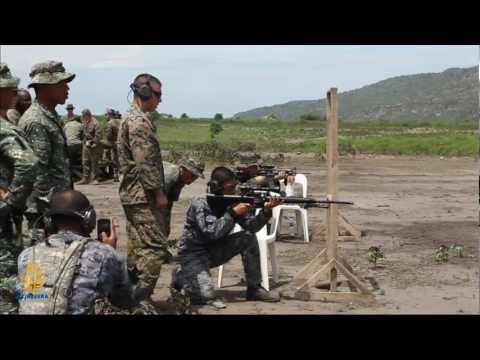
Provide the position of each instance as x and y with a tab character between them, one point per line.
104	225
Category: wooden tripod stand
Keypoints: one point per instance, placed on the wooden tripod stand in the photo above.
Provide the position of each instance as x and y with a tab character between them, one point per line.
327	265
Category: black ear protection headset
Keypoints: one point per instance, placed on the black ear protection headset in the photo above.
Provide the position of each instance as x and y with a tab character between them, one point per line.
214	187
88	218
143	90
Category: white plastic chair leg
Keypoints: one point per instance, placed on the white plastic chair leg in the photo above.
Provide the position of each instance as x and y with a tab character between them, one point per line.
299	221
306	236
273	260
280	221
262	245
220	276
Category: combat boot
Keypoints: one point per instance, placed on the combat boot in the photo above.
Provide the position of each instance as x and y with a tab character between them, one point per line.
84	181
260	294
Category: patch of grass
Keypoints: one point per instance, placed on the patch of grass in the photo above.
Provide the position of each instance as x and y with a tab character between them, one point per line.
391	137
416	144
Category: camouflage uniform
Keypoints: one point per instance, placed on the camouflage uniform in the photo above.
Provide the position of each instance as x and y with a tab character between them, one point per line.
101	274
174	184
141	167
18	166
110	144
13	115
91	151
208	242
44	132
67	118
48	141
74	133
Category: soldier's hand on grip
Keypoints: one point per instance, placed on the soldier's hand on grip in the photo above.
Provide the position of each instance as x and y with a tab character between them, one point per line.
242	209
274	201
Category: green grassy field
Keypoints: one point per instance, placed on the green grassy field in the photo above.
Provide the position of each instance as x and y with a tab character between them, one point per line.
402	137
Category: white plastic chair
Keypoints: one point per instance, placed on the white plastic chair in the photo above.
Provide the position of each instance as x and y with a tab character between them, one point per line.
266	244
301	213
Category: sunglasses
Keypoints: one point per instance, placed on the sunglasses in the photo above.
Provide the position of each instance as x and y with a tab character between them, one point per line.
158	94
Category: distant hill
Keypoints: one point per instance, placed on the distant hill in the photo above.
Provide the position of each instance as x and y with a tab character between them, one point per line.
452	94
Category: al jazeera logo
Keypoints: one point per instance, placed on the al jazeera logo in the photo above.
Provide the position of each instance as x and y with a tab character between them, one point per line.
32	281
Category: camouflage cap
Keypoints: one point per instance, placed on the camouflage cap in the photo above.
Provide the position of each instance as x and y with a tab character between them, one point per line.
6	78
70	107
194	166
49	72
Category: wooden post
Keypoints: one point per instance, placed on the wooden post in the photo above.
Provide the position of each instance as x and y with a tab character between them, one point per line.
305	285
332	158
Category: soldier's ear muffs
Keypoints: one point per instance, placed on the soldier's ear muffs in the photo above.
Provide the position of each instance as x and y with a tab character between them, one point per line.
88	218
215	187
143	91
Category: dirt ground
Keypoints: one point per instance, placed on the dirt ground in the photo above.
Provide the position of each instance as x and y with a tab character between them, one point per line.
409	206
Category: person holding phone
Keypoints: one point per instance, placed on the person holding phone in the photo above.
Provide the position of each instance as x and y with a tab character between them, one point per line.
90	271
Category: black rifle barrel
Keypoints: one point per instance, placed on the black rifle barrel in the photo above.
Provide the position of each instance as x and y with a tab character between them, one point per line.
286	200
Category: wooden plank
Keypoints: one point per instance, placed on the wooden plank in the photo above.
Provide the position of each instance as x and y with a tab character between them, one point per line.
345	263
326	284
356	282
349	268
320	229
349	227
314	278
312	267
347	238
338	296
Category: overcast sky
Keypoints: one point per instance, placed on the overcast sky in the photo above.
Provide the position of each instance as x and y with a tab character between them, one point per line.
202	80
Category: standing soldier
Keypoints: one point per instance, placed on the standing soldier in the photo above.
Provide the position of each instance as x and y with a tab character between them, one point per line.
70	114
18	166
22	103
110	142
74	133
43	130
142	189
91	150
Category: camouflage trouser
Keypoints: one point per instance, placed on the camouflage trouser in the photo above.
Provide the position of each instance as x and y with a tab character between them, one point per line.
8	301
90	159
111	154
75	156
147	247
195	268
8	271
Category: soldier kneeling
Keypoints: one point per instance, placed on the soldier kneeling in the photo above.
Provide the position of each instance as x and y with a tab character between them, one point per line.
70	272
209	241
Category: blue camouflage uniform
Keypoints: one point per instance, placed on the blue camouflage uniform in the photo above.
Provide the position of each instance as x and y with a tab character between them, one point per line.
208	242
101	274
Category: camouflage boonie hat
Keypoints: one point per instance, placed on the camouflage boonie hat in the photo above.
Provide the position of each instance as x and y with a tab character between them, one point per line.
49	72
6	78
70	107
194	166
